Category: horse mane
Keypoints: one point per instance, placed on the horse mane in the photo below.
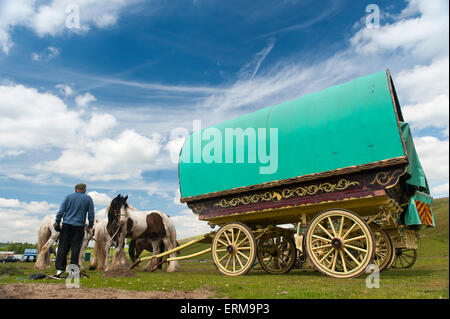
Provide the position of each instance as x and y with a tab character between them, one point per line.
109	213
131	207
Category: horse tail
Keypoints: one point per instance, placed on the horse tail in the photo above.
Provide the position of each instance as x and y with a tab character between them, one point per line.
132	250
44	234
100	254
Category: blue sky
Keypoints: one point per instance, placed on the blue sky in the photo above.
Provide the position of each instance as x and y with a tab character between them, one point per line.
98	103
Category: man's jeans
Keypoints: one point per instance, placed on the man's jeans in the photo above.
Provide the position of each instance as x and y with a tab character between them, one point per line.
71	237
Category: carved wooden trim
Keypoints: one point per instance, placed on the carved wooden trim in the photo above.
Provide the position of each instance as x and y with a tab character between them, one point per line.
341	171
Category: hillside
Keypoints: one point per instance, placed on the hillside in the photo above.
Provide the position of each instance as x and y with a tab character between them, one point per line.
441	212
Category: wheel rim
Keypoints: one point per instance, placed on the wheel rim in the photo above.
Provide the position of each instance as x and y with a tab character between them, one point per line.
339	244
383	249
233	249
405	258
276	254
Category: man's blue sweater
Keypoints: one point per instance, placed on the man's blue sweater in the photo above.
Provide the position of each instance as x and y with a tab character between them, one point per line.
74	208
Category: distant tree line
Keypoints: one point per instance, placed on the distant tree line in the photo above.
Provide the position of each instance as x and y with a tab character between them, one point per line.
18	248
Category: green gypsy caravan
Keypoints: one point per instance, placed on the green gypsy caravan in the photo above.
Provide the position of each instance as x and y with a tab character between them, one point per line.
339	164
345	173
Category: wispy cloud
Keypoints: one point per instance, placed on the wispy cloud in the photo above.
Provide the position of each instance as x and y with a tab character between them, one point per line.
250	69
331	8
49	54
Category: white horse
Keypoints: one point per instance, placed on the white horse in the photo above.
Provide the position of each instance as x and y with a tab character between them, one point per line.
47	236
125	221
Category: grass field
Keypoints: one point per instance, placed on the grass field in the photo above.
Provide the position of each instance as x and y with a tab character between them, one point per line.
429	278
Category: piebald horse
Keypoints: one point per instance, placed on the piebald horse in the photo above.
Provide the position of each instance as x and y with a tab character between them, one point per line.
125	221
47	236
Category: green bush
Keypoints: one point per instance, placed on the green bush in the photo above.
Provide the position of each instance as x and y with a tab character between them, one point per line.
10	270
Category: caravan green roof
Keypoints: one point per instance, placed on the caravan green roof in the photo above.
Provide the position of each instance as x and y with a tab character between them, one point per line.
351	125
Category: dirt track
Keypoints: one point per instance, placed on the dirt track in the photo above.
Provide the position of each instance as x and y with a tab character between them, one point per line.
59	291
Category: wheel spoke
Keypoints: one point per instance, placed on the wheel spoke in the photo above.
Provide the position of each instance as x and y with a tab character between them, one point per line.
355	238
239	260
322	238
244	239
326	231
223	243
243	255
320	247
332	226
324	257
348	231
237	236
334	260
223	257
234	263
356	248
352	257
228	262
226	236
341	227
341	253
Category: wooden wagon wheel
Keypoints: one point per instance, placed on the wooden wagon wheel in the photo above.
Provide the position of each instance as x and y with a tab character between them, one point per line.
348	243
234	249
277	253
404	258
384	248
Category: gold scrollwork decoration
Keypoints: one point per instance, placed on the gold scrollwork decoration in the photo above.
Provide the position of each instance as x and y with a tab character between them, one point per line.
198	208
385	178
286	193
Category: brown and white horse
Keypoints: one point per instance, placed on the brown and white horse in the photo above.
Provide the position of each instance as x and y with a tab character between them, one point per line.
47	236
125	221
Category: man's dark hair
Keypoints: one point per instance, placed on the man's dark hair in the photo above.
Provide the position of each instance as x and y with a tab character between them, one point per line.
80	187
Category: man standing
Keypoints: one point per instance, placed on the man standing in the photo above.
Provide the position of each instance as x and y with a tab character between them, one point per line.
73	211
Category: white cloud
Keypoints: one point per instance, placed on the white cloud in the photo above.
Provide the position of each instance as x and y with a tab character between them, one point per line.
440	190
100	199
177	197
422	83
187	225
174	148
84	100
21	220
49	17
122	158
32	120
101	214
434	157
99	124
6	202
431	114
65	90
423	36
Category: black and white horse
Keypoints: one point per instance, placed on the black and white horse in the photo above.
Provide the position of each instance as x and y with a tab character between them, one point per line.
125	221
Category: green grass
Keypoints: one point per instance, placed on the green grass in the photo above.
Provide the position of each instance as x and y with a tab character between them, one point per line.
428	278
